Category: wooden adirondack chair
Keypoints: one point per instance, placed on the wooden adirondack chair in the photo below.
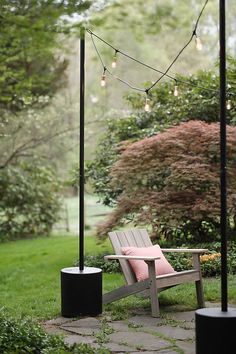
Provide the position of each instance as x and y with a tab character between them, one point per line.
154	284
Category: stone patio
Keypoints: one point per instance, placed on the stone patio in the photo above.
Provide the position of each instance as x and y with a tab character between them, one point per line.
173	332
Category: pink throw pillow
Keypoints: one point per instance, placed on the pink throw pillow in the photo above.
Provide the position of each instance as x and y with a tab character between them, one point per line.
140	268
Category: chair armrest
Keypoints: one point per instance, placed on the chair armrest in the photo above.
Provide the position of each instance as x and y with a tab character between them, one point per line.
140	258
185	250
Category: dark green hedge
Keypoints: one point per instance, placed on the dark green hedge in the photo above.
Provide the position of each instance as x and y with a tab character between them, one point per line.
22	336
210	263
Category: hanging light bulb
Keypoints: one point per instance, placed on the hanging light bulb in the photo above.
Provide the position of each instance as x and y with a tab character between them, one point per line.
228	105
103	79
147	107
198	43
176	92
114	62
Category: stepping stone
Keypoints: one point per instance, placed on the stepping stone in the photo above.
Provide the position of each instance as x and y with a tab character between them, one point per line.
176	332
58	321
119	326
118	348
88	322
76	339
169	351
165	351
53	329
84	322
183	316
83	331
139	340
187	347
146	321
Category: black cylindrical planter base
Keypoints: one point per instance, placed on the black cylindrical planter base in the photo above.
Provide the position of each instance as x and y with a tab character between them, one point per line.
215	331
81	292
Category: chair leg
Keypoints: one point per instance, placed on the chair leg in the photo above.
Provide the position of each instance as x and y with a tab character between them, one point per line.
200	294
198	283
153	290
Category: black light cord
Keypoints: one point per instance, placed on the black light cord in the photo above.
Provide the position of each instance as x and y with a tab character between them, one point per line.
92	34
163	73
105	69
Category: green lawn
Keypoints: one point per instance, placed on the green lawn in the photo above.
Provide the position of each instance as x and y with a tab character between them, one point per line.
94	213
30	278
30	272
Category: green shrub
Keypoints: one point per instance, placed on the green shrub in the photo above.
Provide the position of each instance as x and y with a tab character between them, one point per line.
210	262
23	336
98	261
29	202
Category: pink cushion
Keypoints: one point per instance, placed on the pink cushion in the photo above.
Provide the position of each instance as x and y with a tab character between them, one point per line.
140	268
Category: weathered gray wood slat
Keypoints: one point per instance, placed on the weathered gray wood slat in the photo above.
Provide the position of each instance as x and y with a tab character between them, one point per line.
139	258
154	284
117	239
125	291
185	250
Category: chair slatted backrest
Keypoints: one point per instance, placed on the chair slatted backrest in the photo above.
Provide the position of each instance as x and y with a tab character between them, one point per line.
129	238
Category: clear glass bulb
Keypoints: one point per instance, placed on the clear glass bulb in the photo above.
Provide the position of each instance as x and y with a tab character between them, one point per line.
198	43
103	80
176	92
228	105
147	105
114	62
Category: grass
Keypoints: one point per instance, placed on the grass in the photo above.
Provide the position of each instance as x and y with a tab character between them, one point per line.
30	273
30	279
94	213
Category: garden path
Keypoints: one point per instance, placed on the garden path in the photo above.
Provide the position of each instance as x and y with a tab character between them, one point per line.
173	332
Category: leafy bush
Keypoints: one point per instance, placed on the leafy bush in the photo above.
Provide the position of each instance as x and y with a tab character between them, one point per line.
24	336
29	201
98	261
210	262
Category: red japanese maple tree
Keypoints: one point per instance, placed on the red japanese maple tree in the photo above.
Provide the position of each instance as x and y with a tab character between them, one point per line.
173	179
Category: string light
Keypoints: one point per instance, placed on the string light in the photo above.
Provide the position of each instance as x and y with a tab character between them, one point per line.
176	92
228	105
198	43
141	63
103	78
147	107
114	62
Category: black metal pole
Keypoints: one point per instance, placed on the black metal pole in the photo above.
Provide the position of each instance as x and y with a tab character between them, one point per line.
223	172
215	327
81	152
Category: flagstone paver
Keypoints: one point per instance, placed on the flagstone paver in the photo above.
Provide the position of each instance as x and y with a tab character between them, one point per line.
82	331
120	326
187	347
88	322
165	351
145	320
182	316
58	321
139	340
175	332
119	348
72	339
